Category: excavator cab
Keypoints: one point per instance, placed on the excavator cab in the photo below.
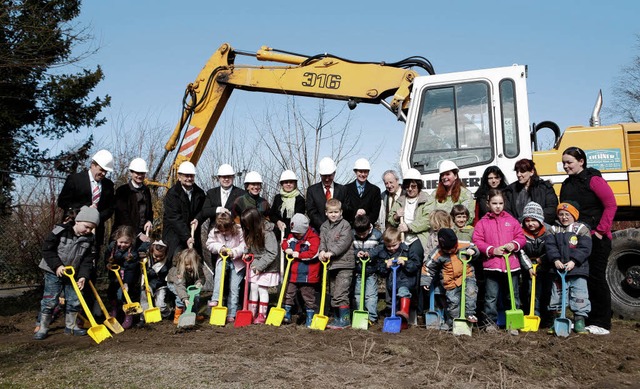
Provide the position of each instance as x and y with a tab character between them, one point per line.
475	119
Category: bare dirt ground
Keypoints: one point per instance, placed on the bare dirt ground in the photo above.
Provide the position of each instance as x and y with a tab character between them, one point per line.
160	356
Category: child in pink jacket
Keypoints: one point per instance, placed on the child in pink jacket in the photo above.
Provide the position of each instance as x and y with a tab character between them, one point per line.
496	234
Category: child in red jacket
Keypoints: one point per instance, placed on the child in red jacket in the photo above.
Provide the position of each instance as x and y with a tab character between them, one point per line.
496	234
304	276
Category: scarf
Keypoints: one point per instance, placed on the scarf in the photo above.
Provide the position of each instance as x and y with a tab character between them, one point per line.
288	202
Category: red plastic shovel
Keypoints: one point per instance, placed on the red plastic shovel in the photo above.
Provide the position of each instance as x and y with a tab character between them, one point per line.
244	317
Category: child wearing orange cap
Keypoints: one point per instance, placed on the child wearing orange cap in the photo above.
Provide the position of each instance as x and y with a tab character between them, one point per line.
568	248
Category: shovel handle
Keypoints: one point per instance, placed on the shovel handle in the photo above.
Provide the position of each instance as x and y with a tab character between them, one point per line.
247	259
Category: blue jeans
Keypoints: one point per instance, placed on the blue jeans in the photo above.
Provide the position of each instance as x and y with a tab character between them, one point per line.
495	283
577	294
53	287
235	279
454	297
370	294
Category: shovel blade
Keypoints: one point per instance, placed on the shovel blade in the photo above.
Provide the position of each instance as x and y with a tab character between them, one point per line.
432	320
152	315
514	319
218	316
275	316
562	327
112	324
360	320
531	323
461	327
319	322
132	309
243	319
392	324
187	320
99	333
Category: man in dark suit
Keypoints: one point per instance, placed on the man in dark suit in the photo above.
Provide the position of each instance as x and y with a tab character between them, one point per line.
318	194
363	195
93	189
182	206
220	199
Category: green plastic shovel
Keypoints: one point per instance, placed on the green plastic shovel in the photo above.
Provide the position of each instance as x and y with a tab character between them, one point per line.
361	317
188	318
514	317
461	325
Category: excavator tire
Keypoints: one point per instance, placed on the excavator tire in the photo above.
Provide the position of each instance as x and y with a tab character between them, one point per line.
623	274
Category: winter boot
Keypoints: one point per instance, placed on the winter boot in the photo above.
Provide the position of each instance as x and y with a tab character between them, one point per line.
253	307
341	319
127	322
404	308
287	314
176	315
310	313
43	329
578	326
71	326
262	314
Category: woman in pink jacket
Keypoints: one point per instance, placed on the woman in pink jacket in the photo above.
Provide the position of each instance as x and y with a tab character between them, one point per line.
496	234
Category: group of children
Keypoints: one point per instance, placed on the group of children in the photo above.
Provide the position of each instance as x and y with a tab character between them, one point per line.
345	249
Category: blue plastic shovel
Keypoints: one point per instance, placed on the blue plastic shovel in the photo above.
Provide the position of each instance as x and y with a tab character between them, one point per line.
562	325
393	323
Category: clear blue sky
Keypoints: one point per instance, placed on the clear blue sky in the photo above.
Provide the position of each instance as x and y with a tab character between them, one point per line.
150	50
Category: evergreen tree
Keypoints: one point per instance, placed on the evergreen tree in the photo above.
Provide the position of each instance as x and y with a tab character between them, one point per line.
37	99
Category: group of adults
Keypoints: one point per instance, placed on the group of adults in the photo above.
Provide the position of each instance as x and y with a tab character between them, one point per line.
403	203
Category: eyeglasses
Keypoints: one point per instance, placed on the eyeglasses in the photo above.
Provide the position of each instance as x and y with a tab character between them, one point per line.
412	185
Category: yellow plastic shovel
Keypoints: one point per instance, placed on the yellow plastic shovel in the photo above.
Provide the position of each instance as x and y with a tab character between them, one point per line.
531	321
151	314
276	314
97	332
320	320
110	322
219	313
130	308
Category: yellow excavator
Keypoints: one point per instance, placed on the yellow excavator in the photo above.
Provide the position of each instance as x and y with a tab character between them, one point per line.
475	118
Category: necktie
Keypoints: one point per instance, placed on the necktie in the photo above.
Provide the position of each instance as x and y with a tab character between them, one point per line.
224	197
360	190
327	194
390	202
95	196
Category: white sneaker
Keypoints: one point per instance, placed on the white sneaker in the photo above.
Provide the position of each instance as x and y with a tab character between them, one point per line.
595	330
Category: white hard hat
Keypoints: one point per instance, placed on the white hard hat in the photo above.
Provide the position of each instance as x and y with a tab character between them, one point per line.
446	166
412	174
138	165
104	159
253	178
326	166
187	167
288	175
362	164
226	170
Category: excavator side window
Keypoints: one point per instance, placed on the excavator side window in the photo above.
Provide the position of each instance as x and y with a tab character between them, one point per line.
454	123
509	119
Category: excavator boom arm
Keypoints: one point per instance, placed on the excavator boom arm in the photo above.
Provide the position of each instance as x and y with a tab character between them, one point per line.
320	76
